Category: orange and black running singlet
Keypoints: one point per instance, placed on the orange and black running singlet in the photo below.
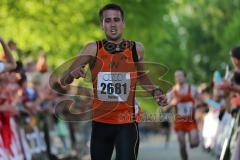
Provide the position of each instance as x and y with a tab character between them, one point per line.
114	77
185	116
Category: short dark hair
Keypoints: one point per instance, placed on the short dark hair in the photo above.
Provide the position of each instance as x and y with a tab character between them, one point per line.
182	70
235	52
110	6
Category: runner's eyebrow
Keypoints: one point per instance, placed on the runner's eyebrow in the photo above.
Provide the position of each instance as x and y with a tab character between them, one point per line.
114	18
107	19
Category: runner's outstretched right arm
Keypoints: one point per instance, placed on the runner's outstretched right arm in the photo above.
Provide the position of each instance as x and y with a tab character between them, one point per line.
86	56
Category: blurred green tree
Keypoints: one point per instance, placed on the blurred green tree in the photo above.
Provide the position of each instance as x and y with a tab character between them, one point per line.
194	35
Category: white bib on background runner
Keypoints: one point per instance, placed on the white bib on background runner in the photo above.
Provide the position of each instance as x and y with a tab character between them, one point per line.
185	109
1	67
113	86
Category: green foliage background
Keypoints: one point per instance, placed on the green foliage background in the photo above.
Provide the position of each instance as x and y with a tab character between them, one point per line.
192	34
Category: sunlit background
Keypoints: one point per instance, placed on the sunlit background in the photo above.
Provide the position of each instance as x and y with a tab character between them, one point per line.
195	35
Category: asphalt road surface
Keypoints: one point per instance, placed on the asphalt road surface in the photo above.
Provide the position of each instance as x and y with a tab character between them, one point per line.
153	148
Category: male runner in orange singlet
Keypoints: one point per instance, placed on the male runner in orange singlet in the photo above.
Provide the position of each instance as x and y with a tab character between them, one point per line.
116	66
183	96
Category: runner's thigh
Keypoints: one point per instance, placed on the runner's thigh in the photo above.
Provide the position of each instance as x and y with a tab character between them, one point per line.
127	142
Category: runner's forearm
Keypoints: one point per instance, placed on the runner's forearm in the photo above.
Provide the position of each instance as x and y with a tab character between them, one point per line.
79	62
146	83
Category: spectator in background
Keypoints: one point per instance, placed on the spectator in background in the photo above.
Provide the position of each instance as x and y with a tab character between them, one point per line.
234	87
41	65
8	110
10	63
15	51
12	45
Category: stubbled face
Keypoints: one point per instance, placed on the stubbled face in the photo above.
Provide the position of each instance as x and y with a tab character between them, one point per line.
236	62
113	24
179	77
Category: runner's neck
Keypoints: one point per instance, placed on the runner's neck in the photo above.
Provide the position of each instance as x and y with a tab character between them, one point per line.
116	41
181	86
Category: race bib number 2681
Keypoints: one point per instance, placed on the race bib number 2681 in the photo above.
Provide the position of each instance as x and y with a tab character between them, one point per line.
113	86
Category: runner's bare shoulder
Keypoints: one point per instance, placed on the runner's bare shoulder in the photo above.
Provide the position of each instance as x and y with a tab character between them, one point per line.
89	50
140	50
